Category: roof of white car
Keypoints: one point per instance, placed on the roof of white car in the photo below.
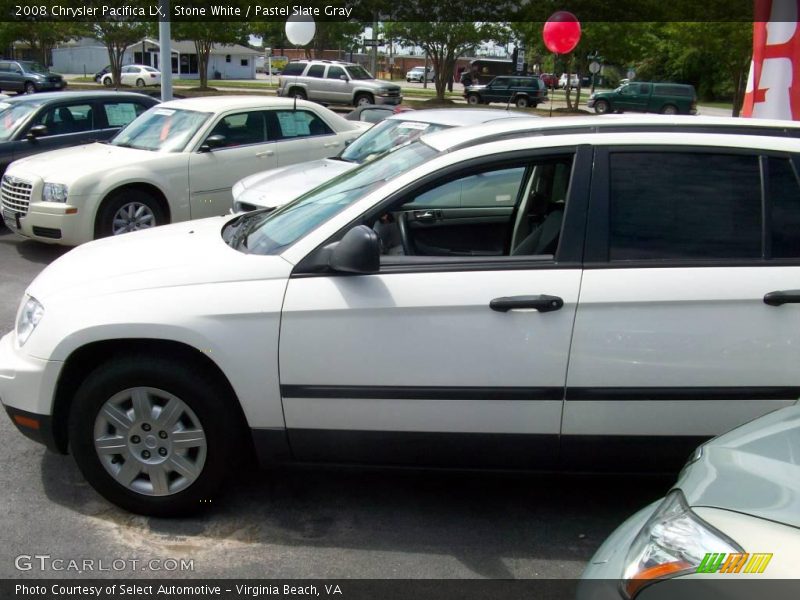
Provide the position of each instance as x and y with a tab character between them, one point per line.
450	138
223	103
458	117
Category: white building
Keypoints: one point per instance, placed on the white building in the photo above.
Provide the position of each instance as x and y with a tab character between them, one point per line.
88	56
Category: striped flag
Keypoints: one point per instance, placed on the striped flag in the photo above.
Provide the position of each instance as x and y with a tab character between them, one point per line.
773	87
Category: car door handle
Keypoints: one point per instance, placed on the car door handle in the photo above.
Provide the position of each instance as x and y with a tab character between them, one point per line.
781	297
265	153
542	303
330	145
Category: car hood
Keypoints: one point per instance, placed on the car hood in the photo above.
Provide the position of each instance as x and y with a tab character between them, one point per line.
277	187
753	469
68	164
189	253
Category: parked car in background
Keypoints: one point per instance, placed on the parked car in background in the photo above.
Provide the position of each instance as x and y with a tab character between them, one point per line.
99	75
162	358
733	513
482	70
134	75
280	186
419	73
516	89
550	80
28	77
33	124
574	80
175	162
639	96
335	82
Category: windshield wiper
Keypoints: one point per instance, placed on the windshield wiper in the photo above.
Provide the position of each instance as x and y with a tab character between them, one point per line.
244	225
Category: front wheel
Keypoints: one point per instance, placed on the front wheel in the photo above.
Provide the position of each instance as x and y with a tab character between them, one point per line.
473	99
30	88
127	211
601	107
363	100
151	436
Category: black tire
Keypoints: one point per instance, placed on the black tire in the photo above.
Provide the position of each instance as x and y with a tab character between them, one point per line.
408	80
602	107
220	425
104	226
30	87
108	81
298	93
474	99
669	109
362	99
140	83
522	102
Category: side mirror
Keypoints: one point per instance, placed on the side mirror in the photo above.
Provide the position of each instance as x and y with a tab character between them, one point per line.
36	131
343	77
358	251
212	142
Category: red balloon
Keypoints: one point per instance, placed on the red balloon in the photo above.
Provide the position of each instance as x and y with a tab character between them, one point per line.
561	32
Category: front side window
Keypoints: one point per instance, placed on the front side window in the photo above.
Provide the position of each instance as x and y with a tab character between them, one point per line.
241	129
281	228
358	72
684	205
62	120
161	129
335	73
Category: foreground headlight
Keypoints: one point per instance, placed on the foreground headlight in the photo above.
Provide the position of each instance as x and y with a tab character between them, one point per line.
673	542
30	313
55	192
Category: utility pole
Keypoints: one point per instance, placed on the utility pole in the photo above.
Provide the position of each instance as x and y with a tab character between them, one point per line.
165	51
373	61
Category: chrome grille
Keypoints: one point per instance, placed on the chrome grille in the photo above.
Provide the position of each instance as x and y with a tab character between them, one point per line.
15	194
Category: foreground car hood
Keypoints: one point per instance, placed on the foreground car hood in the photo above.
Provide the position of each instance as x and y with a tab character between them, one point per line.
183	254
277	187
753	469
68	164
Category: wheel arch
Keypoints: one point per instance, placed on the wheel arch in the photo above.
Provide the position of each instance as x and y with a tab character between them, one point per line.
83	360
141	186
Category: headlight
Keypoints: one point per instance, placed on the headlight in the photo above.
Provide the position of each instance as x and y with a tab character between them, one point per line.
30	313
673	542
55	192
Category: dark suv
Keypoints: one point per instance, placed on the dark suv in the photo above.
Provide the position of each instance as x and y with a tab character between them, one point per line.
29	77
521	90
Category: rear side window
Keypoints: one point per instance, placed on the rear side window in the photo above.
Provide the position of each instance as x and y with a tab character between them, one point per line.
294	69
684	206
316	71
119	114
675	90
291	124
62	120
784	194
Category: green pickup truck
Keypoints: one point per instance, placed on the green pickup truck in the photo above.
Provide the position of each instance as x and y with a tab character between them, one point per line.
666	98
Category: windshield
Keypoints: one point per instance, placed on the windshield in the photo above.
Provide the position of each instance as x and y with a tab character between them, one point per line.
161	130
34	67
357	72
12	116
281	228
385	136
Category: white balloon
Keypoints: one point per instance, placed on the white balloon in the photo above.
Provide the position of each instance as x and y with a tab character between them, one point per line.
300	29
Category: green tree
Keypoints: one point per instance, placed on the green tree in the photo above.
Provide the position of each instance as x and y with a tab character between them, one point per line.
41	37
118	36
205	34
444	42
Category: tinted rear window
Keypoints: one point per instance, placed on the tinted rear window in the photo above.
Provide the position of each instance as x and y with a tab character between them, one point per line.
294	69
675	90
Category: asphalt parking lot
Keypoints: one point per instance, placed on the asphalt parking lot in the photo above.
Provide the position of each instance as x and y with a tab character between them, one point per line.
304	523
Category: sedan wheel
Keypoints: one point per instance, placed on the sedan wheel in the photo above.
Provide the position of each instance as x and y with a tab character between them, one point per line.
30	88
150	441
132	217
140	83
108	82
601	107
473	99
